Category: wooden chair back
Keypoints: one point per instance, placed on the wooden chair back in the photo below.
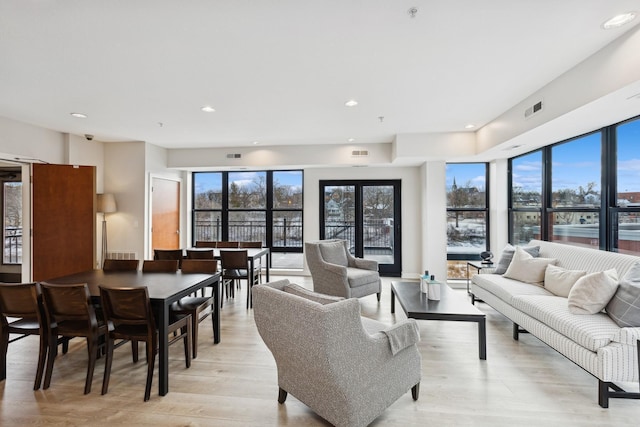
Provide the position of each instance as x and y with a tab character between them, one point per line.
208	266
206	244
199	254
120	264
233	260
160	266
228	244
168	254
250	245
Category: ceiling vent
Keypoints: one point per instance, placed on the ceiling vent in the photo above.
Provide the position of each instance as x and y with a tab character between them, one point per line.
234	156
360	153
534	109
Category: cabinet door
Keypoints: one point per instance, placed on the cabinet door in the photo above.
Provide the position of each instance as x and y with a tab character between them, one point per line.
64	220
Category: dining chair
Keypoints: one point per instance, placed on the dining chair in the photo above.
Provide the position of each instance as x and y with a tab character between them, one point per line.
235	267
200	254
160	266
130	316
250	245
22	302
196	307
70	313
168	254
120	264
228	244
206	244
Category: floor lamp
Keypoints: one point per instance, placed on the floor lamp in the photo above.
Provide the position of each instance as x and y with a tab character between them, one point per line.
106	204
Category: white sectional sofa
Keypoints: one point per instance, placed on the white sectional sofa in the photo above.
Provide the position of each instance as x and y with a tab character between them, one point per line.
593	341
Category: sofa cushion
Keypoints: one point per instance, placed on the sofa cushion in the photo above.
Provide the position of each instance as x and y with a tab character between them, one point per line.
359	277
624	307
526	268
592	332
333	252
298	290
592	292
507	256
559	281
505	288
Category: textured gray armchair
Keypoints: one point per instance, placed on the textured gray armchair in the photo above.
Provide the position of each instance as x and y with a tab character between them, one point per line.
336	272
345	367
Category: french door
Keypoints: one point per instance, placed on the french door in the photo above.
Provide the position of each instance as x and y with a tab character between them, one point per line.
366	213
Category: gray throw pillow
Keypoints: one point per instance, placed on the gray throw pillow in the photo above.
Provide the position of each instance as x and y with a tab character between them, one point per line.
624	307
507	255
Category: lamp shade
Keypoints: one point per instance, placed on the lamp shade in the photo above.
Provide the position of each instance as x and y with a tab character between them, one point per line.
106	203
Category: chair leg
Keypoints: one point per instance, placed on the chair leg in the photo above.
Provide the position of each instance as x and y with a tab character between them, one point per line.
151	359
107	366
282	395
51	357
42	358
195	320
378	296
92	349
4	346
415	391
187	344
134	350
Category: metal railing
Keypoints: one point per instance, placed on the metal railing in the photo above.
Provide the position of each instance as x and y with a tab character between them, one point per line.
12	245
286	233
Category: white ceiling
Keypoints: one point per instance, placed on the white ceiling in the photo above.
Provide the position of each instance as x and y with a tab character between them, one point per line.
279	71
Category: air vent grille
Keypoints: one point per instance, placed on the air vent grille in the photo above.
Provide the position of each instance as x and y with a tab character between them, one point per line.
535	108
359	153
234	156
122	255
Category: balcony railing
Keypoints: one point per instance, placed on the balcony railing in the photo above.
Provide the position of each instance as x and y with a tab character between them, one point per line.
286	233
12	245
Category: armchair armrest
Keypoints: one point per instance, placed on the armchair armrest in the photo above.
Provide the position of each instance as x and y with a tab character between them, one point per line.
402	335
365	264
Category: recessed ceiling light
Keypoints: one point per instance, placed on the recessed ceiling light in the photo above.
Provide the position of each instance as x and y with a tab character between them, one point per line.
256	142
79	115
208	109
351	139
619	20
469	126
351	103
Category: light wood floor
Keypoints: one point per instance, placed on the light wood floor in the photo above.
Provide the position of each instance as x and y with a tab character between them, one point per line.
233	383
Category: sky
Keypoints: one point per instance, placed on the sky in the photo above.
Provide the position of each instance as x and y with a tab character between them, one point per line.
208	181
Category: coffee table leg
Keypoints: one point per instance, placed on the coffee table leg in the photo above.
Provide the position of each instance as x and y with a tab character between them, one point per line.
482	338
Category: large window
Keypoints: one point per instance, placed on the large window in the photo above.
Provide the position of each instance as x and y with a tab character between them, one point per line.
261	206
584	191
467	215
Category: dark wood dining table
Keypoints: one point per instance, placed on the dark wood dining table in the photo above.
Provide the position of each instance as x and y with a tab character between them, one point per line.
164	289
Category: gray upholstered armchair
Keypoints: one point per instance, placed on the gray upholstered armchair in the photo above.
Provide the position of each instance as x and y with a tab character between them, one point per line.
336	272
345	367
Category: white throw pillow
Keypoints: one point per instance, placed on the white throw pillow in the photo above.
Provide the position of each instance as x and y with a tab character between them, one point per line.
559	281
592	292
528	269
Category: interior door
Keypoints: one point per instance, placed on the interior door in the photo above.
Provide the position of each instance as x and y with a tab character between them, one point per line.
366	214
63	220
165	208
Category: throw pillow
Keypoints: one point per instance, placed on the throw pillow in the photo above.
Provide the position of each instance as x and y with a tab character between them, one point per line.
507	256
298	290
624	307
528	269
592	292
559	281
334	253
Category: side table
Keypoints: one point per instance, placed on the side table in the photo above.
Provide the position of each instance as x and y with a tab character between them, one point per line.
479	266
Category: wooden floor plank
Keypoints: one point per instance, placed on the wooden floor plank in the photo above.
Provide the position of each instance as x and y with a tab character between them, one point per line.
522	383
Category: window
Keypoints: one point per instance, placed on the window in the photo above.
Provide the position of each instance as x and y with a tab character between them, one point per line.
467	215
574	213
12	198
582	192
261	206
526	197
626	213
